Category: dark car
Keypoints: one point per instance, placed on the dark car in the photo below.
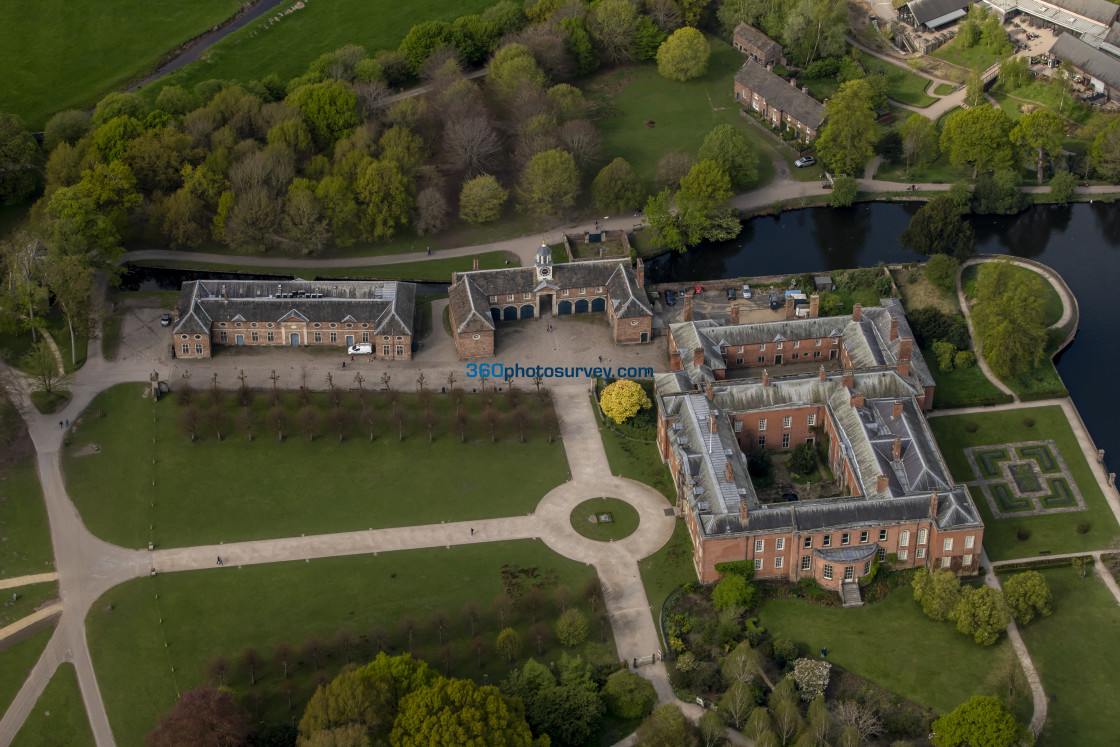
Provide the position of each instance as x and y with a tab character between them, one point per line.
730	294
165	320
670	298
774	304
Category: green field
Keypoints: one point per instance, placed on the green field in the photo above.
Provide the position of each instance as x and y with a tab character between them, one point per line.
944	89
902	84
433	270
288	46
978	57
59	717
17	661
961	387
637	460
66	55
623	521
27	550
1076	645
270	488
142	663
1054	532
28	598
682	114
929	662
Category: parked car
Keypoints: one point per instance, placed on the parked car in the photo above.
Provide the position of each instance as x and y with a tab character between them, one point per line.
775	304
730	294
804	161
165	320
698	290
747	293
670	298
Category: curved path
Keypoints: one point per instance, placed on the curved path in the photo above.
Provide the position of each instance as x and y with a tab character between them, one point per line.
87	567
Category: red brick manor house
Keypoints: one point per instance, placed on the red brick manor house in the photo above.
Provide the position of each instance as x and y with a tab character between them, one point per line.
857	381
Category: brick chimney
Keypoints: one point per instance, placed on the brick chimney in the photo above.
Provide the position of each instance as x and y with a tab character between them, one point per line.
805	90
474	264
675	360
894	328
743	513
904	368
687	315
856	400
933	503
881	483
896	450
821	374
770	66
848	379
857	312
791	308
698	357
765	377
734	314
710	390
905	348
728	472
712	421
640	271
814	306
793	82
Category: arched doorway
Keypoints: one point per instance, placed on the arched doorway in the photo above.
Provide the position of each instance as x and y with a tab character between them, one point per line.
598	304
581	306
527	311
495	313
509	313
563	308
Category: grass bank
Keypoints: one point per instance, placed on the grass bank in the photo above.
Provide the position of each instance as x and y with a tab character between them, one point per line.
16	663
59	716
23	522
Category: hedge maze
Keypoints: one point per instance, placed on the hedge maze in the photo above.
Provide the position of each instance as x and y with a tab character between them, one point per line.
1009	476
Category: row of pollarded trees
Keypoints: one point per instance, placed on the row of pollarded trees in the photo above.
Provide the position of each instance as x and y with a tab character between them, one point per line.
364	413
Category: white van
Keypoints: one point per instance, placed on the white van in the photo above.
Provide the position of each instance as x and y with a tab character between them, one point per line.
362	348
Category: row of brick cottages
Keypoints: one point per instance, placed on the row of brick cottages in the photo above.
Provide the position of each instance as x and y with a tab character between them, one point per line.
857	380
343	313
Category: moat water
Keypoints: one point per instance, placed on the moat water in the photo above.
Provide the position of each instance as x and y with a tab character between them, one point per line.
1081	242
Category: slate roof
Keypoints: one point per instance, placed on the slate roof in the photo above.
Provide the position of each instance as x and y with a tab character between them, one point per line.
1100	11
470	307
927	10
781	95
866	437
867	342
758	40
388	305
1082	56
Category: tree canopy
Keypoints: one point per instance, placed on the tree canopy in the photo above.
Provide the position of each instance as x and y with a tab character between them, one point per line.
617	188
849	134
1042	131
978	137
981	721
728	148
939	228
684	55
206	717
454	711
623	399
1028	596
1008	318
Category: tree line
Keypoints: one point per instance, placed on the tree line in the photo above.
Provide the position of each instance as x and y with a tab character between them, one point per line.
344	411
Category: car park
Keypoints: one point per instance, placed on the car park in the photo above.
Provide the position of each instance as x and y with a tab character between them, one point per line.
804	161
747	291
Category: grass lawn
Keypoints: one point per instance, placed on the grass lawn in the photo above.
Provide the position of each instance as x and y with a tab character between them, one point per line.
979	57
918	292
16	662
23	522
1040	92
262	606
944	89
28	599
50	45
668	568
681	113
1055	531
637	460
434	270
920	649
902	84
1076	645
17	345
938	172
59	717
623	523
288	46
265	488
961	387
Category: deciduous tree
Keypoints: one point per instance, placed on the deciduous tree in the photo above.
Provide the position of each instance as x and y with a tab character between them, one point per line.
623	399
20	161
938	228
667	727
919	141
980	720
451	711
684	55
1008	318
617	188
1042	131
849	135
629	695
938	592
206	717
613	24
730	149
978	137
1028	595
982	614
549	183
571	628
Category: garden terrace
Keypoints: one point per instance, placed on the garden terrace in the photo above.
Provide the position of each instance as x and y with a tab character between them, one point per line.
290	463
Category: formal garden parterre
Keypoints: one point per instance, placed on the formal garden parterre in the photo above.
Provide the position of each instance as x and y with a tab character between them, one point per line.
1026	479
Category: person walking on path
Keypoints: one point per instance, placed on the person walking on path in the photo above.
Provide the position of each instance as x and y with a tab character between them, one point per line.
220	560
